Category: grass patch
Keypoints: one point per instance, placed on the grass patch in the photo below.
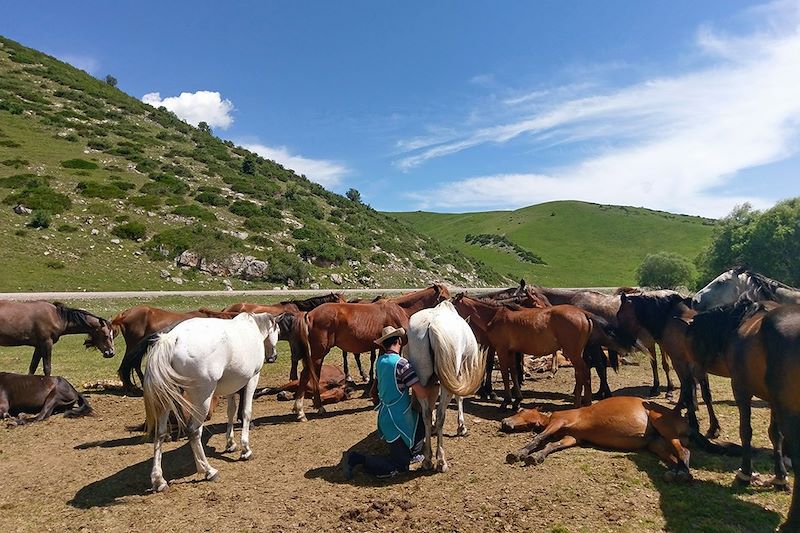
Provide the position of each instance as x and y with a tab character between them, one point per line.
79	164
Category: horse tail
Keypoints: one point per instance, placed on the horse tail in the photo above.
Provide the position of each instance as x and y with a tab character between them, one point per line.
117	322
462	381
308	361
163	386
83	408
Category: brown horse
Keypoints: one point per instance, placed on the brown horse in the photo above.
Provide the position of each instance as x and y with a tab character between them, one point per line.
758	346
619	423
606	307
333	387
512	329
20	393
664	316
138	323
353	328
40	324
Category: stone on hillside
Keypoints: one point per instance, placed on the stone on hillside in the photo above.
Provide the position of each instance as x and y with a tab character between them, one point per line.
253	268
95	231
164	274
290	282
22	210
337	279
188	259
115	241
314	286
177	281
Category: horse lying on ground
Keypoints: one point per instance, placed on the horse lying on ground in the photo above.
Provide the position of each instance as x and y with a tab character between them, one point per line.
757	344
618	423
20	393
332	382
188	365
40	324
441	343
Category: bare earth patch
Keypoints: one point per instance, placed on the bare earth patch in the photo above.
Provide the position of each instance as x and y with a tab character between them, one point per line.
91	475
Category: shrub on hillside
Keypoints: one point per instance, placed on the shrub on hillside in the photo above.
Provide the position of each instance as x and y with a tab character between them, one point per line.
263	224
40	197
211	198
147	201
194	211
40	218
67	228
133	230
208	243
94	189
20	181
324	252
284	266
164	184
665	270
79	164
244	208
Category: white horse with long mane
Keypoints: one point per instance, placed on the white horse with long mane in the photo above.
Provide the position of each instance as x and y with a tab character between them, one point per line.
440	342
728	287
198	358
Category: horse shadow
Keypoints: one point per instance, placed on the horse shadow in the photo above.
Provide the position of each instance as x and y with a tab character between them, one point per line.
490	409
700	505
132	480
372	444
274	420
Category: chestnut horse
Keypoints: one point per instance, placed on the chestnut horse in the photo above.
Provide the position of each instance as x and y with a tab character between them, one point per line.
619	423
353	328
512	329
758	346
40	324
138	323
333	387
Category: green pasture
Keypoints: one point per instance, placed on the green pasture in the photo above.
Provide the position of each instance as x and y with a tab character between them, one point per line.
583	244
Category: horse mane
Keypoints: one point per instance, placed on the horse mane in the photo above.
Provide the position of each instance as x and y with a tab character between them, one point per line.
626	290
766	287
72	315
710	330
315	301
653	311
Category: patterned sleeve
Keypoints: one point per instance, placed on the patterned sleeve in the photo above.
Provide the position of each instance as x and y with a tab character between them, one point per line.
405	374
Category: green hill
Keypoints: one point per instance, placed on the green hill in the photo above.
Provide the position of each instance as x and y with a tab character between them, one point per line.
124	189
581	244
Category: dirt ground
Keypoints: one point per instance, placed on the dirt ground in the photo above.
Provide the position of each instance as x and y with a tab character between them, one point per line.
91	475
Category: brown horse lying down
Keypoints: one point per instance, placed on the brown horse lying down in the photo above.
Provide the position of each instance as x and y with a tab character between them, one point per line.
332	387
20	393
617	423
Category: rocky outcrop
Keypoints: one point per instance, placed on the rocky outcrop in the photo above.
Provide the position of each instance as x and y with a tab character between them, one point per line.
235	265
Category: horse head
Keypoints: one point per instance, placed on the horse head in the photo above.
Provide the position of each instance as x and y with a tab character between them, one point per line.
725	289
440	292
101	337
527	419
270	329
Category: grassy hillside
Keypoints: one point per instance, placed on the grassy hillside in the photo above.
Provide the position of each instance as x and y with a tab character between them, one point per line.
127	188
581	244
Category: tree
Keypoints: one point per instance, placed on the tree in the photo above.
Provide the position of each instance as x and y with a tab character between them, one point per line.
204	127
665	270
111	80
768	242
249	166
353	195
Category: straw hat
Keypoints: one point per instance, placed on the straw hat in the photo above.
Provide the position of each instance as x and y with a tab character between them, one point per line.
389	332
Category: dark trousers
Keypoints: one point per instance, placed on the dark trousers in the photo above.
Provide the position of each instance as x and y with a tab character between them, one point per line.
398	458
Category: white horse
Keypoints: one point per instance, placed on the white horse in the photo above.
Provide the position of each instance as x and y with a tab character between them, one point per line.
198	358
728	287
441	342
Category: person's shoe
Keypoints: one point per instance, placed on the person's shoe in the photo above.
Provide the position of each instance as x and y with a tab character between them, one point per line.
347	468
388	474
417	459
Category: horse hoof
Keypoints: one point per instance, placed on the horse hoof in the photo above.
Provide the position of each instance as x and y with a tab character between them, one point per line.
162	487
427	464
212	475
246	455
742	479
533	459
669	476
442	467
462	432
653	392
231	448
513	457
713	433
683	476
321	410
301	417
781	485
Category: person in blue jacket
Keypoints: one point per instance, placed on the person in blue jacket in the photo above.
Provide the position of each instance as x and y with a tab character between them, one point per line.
398	424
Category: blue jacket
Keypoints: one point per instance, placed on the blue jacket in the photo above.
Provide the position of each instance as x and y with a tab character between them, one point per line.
396	418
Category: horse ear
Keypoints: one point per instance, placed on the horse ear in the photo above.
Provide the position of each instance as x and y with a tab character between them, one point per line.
687	321
467	319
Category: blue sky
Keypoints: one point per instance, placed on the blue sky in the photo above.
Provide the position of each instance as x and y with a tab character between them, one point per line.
684	106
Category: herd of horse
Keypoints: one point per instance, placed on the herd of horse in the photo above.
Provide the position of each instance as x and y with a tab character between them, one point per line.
742	325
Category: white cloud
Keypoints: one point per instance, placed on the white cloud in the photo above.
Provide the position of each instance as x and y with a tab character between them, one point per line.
200	106
326	173
675	140
85	63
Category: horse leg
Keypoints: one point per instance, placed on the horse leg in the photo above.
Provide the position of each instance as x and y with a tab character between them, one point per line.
656	379
47	351
789	425
202	400
247	400
230	444
505	371
157	481
346	366
50	403
665	366
743	399
539	457
583	380
357	357
37	356
462	427
598	360
300	395
441	413
775	435
705	390
295	358
672	452
552	428
519	359
317	397
426	409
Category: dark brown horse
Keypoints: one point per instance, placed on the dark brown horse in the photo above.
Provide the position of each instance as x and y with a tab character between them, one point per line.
142	321
664	317
512	329
352	328
606	306
758	346
40	324
21	393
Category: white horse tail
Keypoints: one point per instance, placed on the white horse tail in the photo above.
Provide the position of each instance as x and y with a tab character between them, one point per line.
462	381
162	385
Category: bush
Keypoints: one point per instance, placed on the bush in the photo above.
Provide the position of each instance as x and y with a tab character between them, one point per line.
100	208
67	228
263	224
19	181
194	211
164	184
243	208
211	198
208	243
94	189
324	252
55	265
147	201
283	266
79	164
133	230
40	219
665	270
40	197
